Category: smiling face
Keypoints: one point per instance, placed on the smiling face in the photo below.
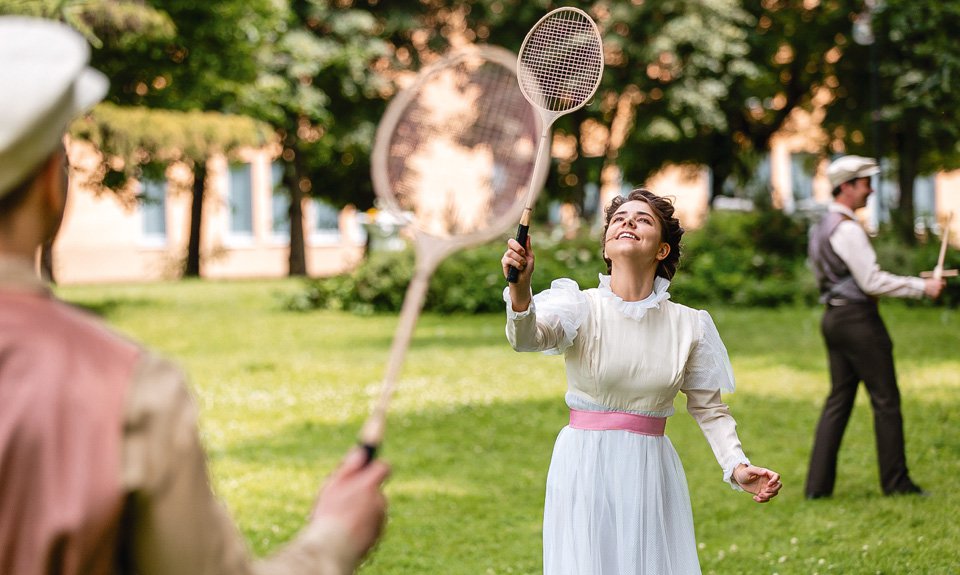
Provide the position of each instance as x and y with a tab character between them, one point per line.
635	234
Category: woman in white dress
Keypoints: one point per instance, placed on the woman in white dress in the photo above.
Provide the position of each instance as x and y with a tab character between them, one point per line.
616	496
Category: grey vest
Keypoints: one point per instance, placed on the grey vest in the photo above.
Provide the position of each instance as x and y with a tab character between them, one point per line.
833	276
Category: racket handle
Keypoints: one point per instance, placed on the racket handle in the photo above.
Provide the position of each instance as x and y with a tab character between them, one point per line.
513	274
369	452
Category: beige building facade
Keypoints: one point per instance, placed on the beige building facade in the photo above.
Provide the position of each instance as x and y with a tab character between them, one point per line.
141	235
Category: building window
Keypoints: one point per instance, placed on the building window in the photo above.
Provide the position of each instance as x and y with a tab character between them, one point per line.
324	222
153	207
740	196
281	203
803	167
240	200
925	203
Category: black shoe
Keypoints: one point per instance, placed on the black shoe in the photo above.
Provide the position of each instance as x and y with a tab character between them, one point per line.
911	489
812	496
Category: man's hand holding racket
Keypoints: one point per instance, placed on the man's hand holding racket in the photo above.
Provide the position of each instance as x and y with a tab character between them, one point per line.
352	498
521	259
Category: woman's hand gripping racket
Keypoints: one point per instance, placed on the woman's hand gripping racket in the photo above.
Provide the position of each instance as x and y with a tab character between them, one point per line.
559	69
454	156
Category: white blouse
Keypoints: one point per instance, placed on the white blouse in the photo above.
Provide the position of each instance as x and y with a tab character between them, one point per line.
634	356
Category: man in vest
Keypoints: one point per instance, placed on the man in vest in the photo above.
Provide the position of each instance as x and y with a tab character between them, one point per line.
858	345
101	466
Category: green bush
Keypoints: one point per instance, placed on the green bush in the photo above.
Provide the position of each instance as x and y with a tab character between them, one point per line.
469	281
377	285
745	259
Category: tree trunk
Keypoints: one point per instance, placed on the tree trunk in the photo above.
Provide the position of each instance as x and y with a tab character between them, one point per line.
298	256
46	262
720	160
909	154
718	175
192	267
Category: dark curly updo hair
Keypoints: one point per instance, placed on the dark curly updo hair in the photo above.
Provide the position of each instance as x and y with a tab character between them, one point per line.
670	229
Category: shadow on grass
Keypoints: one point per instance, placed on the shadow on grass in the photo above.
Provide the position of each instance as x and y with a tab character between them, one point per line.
467	487
111	307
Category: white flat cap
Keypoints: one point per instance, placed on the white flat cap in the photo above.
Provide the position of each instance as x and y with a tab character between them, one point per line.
846	168
44	84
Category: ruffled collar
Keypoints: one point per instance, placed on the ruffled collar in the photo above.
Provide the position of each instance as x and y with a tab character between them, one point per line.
637	309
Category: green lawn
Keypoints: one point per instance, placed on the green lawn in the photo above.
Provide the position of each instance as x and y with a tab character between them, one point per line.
283	396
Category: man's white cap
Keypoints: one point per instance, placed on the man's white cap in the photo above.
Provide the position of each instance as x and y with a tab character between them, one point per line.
848	168
44	84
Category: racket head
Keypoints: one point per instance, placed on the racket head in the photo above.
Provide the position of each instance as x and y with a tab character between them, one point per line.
560	62
455	151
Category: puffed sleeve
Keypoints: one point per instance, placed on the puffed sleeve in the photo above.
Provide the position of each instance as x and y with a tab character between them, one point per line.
708	366
551	322
708	371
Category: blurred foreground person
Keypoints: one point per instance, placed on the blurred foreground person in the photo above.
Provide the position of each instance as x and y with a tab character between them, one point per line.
858	345
101	466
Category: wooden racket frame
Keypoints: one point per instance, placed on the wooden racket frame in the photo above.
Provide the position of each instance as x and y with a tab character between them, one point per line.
430	250
938	271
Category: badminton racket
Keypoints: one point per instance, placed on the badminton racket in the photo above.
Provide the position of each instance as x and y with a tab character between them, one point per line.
453	157
558	68
938	271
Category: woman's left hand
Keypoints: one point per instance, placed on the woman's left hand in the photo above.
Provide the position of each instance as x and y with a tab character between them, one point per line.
763	483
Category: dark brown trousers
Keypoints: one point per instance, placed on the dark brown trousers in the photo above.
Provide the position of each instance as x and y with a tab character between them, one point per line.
859	349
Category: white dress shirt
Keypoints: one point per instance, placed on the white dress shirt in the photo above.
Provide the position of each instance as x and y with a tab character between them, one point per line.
851	243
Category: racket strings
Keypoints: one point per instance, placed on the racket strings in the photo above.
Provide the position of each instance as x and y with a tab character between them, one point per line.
462	152
561	62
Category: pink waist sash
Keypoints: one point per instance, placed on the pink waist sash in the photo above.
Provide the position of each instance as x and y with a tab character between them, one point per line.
606	420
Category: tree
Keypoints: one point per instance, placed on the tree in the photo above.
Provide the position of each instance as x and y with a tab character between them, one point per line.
183	71
123	23
319	89
663	75
779	57
135	140
917	117
686	82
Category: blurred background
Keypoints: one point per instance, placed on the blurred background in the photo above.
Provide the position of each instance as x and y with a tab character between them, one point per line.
235	144
236	138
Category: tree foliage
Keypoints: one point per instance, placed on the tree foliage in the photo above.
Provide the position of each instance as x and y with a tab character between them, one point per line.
133	138
202	65
118	23
778	53
320	90
704	82
916	124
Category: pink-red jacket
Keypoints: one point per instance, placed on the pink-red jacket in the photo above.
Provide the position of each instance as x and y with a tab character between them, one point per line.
101	466
63	380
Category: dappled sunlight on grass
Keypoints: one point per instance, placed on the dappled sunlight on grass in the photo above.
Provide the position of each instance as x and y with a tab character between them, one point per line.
431	487
282	397
775	380
929	380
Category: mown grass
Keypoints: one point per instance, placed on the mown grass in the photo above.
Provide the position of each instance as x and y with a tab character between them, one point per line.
283	395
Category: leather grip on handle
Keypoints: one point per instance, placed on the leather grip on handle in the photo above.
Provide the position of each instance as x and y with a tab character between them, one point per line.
371	436
513	274
369	452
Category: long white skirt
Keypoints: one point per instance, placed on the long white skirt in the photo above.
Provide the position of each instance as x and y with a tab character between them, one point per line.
617	504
